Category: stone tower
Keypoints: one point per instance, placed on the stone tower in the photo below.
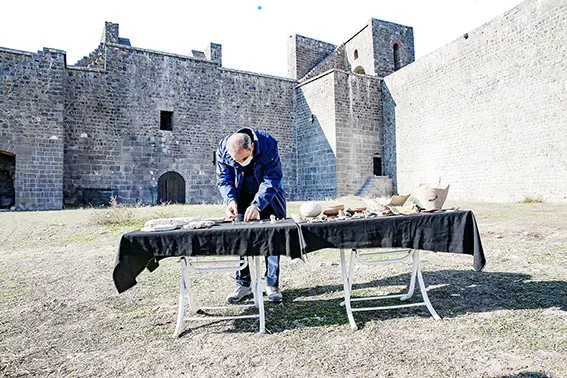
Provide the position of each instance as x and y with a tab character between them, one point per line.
338	124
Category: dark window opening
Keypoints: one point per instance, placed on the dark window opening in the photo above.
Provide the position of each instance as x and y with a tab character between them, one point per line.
355	54
214	158
397	60
166	120
377	166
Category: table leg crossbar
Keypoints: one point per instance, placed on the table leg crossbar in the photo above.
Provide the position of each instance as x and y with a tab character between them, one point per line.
348	273
198	266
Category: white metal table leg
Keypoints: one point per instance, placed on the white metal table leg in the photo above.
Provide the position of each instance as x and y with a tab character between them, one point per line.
219	266
426	297
181	311
353	253
256	284
193	304
416	275
415	267
347	288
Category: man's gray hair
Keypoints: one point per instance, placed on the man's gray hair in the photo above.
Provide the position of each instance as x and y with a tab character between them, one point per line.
238	141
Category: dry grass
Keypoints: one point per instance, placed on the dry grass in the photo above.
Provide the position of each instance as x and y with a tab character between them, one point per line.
61	316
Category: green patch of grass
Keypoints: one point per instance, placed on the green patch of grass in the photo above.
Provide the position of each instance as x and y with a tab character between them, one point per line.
305	313
530	199
534	330
76	238
119	229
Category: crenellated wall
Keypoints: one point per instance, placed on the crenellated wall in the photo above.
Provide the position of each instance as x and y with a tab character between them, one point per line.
115	142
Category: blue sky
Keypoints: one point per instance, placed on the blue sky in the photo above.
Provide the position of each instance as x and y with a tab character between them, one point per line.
253	34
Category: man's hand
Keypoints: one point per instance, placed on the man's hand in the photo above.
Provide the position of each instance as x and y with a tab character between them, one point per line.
251	213
231	210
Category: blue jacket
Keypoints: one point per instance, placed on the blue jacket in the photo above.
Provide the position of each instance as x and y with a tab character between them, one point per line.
267	170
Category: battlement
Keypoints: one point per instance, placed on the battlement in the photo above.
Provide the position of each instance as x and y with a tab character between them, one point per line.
378	49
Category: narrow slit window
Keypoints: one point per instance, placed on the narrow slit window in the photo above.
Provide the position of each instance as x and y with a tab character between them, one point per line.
397	61
355	54
166	120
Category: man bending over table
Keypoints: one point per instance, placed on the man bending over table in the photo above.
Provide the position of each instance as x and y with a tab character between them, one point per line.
249	178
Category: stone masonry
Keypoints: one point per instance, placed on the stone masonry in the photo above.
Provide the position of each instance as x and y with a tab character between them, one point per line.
31	126
485	114
82	133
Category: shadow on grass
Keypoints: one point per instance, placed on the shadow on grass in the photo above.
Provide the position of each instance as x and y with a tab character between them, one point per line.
452	293
527	374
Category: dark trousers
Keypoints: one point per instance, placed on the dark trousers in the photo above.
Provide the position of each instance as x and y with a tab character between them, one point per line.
272	273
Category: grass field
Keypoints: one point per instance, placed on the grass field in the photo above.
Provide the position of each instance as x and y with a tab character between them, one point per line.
61	316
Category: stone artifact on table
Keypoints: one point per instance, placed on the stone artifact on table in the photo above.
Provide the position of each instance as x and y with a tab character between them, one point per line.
351	211
333	210
167	224
310	209
199	224
396	200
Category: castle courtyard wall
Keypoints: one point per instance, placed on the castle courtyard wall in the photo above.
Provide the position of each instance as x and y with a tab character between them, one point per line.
31	125
112	121
315	138
358	117
487	113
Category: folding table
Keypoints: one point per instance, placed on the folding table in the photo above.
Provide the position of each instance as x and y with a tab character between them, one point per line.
451	231
251	240
443	231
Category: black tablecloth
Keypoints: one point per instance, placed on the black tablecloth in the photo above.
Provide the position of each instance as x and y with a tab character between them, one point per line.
454	231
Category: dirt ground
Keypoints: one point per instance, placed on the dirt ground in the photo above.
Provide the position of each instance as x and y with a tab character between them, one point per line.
60	315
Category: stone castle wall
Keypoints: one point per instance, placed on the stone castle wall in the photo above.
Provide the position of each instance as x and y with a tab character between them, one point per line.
31	125
487	113
358	119
304	54
315	138
95	59
114	142
359	51
338	133
334	61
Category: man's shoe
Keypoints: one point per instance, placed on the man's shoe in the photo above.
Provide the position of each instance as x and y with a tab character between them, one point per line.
239	294
274	294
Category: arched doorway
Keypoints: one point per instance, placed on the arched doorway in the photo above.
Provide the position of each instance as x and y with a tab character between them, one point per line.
7	177
171	188
359	70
